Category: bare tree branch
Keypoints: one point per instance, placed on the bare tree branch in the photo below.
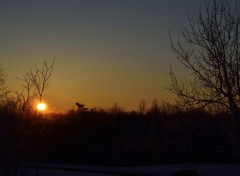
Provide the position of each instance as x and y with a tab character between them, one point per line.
41	77
209	49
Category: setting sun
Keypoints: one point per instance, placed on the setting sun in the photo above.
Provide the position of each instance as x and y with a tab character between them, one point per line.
41	106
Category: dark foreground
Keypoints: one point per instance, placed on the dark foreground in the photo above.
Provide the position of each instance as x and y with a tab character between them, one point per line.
118	138
163	170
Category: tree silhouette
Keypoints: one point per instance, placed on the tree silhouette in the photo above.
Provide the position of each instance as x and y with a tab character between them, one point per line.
27	94
209	48
81	107
142	107
41	77
3	88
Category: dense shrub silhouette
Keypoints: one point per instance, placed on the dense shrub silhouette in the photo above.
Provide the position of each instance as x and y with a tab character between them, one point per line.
106	137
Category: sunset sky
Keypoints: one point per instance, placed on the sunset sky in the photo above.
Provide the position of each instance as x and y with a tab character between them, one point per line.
107	51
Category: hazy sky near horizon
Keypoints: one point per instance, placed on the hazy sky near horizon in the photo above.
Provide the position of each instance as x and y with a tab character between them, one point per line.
107	51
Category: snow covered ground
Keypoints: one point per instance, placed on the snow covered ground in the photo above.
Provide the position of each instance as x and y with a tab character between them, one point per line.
163	170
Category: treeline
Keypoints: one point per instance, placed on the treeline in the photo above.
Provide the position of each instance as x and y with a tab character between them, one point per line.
157	135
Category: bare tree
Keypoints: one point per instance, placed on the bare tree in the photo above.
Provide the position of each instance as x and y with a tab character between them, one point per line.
209	48
142	107
3	88
41	77
27	94
155	107
33	83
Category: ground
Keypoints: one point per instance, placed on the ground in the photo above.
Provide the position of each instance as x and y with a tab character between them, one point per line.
163	170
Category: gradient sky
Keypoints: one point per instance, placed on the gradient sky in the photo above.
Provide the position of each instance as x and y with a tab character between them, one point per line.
107	51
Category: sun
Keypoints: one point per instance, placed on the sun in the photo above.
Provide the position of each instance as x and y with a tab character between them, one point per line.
41	106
